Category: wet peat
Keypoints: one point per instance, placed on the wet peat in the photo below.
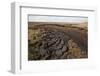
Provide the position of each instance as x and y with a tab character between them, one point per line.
53	41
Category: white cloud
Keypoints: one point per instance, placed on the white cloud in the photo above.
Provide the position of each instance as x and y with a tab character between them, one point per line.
33	18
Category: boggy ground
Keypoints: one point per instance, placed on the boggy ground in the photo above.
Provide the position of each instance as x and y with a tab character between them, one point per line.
54	41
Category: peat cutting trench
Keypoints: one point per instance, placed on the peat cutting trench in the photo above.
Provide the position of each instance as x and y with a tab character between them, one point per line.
57	42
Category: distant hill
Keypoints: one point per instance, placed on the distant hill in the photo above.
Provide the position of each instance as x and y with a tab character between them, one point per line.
83	24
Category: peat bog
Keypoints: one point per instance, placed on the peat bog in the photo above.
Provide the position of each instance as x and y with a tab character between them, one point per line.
49	41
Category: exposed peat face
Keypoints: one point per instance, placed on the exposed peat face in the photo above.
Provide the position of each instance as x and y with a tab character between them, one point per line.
55	41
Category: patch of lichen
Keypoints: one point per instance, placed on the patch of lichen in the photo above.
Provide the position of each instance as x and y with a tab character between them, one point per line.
34	35
33	38
75	51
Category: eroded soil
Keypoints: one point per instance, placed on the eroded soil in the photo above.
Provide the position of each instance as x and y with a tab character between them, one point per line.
53	41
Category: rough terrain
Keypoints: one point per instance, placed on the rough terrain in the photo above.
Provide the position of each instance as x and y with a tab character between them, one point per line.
54	41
